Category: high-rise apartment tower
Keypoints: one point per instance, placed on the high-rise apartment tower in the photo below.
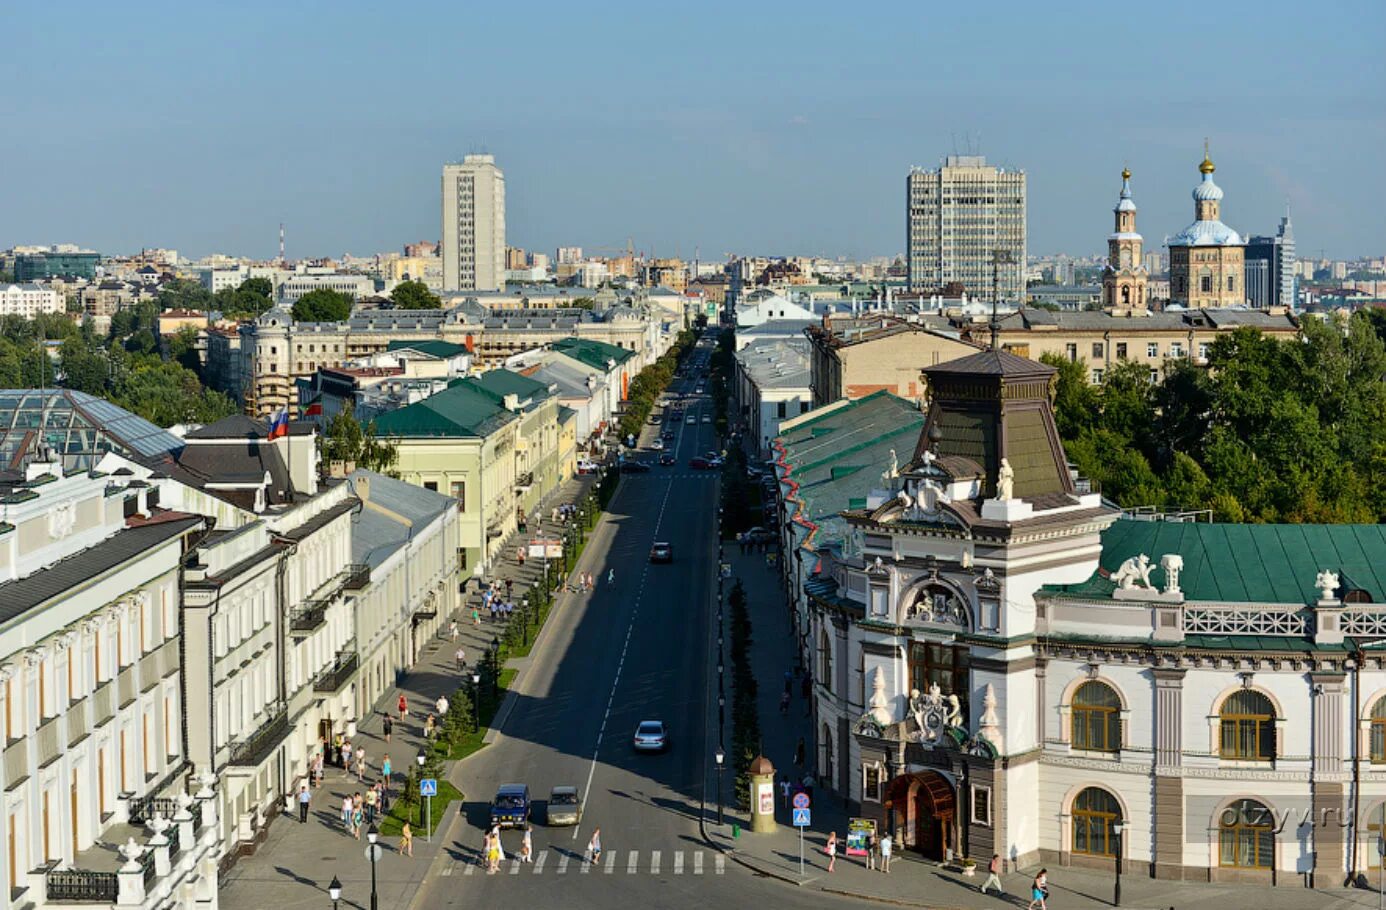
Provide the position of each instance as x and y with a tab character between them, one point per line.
473	225
955	218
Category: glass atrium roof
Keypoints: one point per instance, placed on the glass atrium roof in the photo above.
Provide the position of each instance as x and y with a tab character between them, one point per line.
79	426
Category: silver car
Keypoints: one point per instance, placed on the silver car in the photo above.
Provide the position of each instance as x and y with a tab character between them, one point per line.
650	736
565	807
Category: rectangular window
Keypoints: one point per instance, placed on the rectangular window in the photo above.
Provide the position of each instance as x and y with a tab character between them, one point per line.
1121	350
431	485
1071	351
1152	349
1205	284
459	493
781	409
981	805
1176	349
1203	350
1096	377
1097	350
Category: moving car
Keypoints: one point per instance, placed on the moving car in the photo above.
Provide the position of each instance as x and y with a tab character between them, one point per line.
661	552
698	463
692	419
634	467
707	418
510	808
565	807
667	459
650	736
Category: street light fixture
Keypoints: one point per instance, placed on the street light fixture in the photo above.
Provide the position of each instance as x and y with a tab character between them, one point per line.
334	891
421	758
372	835
476	705
1116	890
720	757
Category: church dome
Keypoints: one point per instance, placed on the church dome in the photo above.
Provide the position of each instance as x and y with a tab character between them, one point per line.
1126	204
1207	190
1206	233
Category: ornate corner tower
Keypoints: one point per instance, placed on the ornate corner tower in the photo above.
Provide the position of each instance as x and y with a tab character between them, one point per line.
1124	279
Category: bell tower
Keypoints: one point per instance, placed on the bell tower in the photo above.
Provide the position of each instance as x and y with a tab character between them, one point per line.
1124	279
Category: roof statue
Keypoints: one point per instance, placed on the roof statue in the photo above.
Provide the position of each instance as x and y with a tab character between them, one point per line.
880	706
892	470
1005	481
1134	571
989	725
1173	564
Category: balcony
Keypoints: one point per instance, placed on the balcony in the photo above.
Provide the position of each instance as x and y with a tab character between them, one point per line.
82	885
142	808
342	669
358	576
308	617
257	747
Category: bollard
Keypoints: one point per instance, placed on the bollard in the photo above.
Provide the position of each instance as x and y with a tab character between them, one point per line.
736	831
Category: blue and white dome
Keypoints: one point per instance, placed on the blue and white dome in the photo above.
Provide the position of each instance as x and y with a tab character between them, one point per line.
1206	233
1126	204
1207	190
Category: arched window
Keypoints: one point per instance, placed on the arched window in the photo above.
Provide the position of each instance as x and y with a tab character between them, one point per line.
825	660
1246	838
1379	731
1247	727
1096	718
827	768
1095	811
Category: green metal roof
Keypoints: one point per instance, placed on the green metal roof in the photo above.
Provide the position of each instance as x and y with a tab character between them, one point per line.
1245	563
499	383
461	410
593	353
433	348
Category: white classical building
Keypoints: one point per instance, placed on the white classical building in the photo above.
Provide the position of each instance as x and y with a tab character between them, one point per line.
91	699
29	300
1004	663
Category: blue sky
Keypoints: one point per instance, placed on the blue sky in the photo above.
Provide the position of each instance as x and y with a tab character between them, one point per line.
771	128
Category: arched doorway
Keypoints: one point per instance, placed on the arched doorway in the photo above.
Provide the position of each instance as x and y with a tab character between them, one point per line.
925	808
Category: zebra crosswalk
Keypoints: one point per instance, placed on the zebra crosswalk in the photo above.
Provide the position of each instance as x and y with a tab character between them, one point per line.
559	862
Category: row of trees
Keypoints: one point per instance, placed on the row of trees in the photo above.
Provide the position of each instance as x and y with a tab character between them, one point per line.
327	305
1271	431
650	383
745	743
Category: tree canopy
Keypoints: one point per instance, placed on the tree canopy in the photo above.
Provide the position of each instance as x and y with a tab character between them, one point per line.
182	294
347	440
322	305
251	299
1272	431
414	295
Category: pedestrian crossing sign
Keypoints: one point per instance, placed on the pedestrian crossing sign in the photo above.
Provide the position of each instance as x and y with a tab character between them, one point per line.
428	786
801	817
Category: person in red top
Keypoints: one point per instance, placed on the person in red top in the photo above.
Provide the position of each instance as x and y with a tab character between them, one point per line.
403	706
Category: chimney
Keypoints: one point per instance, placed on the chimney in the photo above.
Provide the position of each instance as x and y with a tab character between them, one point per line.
362	486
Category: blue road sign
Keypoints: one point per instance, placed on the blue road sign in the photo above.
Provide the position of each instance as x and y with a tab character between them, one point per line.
428	786
801	800
801	818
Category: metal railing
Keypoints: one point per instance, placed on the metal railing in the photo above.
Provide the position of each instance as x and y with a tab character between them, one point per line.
175	841
358	576
253	749
82	885
308	617
142	808
341	669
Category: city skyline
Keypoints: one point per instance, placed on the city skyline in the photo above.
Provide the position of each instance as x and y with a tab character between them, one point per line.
664	144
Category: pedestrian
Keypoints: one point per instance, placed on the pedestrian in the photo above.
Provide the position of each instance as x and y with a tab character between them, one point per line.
509	588
428	727
831	849
461	658
784	704
361	764
591	582
347	806
442	705
993	874
358	815
386	769
337	750
372	798
527	846
594	846
346	756
476	617
403	705
452	630
611	576
389	727
887	844
305	796
406	840
873	848
799	754
1039	890
806	687
784	789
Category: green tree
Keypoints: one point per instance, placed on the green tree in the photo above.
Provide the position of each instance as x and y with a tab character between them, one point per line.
252	298
1075	399
84	368
322	305
182	294
347	440
414	295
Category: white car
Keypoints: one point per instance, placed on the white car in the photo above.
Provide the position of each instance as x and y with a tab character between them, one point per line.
707	418
587	466
657	445
692	419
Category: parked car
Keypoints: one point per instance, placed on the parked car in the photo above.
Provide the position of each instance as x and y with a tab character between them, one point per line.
698	463
657	445
760	535
661	552
587	466
667	458
650	736
655	419
634	467
510	808
565	807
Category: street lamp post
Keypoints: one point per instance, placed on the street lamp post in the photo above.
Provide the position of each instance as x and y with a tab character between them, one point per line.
334	891
495	669
372	835
720	757
524	617
476	703
890	778
721	717
1116	890
421	758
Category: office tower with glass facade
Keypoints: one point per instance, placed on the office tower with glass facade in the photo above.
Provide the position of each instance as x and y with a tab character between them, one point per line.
1270	268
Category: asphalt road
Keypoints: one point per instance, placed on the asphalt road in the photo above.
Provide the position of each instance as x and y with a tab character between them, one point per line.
638	648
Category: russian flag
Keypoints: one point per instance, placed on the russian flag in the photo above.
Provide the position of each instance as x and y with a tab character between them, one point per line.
279	424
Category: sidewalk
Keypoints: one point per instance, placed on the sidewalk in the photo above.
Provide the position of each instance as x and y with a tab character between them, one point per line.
292	867
913	881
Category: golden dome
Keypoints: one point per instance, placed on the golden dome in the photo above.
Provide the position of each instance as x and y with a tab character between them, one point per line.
1207	166
1126	173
